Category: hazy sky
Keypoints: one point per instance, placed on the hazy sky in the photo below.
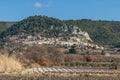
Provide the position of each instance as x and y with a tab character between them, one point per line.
16	10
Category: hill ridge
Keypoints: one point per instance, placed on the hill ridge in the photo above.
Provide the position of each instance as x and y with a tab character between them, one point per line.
102	32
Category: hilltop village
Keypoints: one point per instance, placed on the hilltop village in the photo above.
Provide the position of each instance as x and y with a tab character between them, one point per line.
75	37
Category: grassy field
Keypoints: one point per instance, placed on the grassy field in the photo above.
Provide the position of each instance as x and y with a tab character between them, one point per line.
9	64
56	77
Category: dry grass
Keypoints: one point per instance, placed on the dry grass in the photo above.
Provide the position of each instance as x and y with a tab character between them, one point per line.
9	64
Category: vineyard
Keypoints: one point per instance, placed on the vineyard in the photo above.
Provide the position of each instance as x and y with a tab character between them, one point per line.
69	71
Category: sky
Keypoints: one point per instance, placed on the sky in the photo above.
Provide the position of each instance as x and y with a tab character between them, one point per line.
16	10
